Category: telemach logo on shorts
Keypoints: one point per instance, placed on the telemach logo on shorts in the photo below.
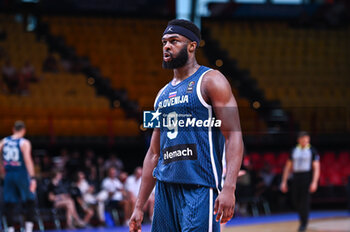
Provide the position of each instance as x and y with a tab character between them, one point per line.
155	119
179	152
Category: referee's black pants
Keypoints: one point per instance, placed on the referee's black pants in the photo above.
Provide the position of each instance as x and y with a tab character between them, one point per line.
301	195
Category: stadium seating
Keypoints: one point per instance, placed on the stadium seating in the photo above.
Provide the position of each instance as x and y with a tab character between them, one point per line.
128	52
60	104
307	70
335	167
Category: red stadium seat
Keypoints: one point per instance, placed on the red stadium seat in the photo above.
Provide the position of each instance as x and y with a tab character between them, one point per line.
328	157
335	178
282	159
256	160
344	158
270	158
323	180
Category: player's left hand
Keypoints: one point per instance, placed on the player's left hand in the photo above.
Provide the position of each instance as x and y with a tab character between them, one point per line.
224	206
32	186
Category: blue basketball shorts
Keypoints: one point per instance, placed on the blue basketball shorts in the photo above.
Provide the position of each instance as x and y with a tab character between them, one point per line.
16	188
184	208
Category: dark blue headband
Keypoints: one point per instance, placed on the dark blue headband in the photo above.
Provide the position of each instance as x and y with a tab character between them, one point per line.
175	29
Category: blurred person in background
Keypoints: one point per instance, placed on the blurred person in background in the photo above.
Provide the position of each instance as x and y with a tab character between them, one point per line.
58	196
27	75
10	76
127	196
89	198
19	183
84	209
114	161
132	185
113	192
28	72
304	163
50	64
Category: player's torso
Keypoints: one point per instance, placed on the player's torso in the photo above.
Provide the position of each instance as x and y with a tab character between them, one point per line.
190	146
12	155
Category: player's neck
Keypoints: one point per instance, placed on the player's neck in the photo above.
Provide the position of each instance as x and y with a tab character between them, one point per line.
186	71
17	136
305	146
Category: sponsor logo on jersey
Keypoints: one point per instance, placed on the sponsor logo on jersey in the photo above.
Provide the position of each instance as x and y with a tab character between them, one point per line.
190	87
179	152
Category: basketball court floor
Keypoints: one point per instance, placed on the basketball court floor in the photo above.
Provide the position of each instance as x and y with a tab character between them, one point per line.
320	221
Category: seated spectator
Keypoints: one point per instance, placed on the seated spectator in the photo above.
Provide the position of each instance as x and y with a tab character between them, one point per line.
10	77
28	72
129	205
114	192
114	161
50	64
59	198
132	185
89	199
26	76
84	209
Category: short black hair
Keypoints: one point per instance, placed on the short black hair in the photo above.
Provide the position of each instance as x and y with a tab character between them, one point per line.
302	134
186	24
19	125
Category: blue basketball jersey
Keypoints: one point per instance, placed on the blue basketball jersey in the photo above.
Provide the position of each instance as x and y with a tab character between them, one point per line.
191	143
12	155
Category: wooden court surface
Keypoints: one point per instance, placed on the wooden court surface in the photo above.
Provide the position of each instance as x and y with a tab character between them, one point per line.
317	225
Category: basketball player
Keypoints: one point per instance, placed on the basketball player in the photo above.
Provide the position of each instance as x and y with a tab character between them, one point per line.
19	183
185	163
304	162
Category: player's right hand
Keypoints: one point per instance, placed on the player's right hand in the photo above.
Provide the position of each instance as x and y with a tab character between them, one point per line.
136	220
284	187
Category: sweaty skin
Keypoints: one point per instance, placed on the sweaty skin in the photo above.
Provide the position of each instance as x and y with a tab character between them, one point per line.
217	92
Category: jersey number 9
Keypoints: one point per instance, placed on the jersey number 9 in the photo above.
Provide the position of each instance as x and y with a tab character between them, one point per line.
172	125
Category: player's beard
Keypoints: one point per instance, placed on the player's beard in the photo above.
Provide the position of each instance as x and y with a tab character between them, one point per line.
177	62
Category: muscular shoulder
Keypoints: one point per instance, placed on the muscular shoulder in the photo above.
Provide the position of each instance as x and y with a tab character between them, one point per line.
214	79
25	142
216	88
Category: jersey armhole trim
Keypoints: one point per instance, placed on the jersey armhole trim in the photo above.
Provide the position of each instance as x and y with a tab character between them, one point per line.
21	141
160	93
199	94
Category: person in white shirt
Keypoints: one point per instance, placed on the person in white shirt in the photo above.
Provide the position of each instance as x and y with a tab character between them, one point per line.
114	192
132	185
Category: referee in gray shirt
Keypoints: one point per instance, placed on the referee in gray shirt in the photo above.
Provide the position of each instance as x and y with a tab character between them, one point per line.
304	163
